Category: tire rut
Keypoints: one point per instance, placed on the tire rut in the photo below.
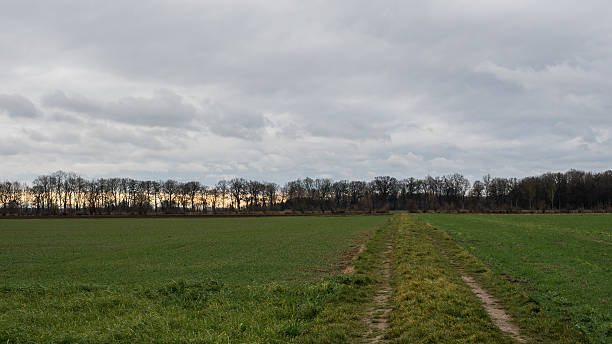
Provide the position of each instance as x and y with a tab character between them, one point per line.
377	317
492	306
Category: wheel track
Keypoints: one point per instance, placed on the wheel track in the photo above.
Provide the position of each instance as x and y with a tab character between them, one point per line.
377	317
492	306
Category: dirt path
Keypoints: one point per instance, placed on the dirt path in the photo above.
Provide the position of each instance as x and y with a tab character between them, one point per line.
499	316
496	312
377	317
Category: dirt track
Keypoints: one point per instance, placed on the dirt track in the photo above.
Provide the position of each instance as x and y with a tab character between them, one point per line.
377	317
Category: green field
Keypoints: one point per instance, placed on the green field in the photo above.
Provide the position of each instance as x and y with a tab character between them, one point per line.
177	280
280	279
564	262
113	252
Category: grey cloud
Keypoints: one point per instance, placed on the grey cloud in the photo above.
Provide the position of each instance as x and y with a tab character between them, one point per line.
16	105
66	117
348	127
348	89
75	103
36	135
163	109
233	122
10	148
110	136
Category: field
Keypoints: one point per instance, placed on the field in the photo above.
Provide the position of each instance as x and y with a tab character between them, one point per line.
173	280
284	279
564	262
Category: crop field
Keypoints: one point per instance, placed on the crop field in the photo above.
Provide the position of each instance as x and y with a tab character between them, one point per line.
173	280
564	262
350	279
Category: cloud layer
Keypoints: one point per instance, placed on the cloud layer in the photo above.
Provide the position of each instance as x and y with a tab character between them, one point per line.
349	89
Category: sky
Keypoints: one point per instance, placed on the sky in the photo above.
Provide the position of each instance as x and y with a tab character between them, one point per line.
280	90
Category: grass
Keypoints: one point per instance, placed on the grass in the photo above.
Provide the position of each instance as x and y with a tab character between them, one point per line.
255	280
151	251
557	265
431	302
278	280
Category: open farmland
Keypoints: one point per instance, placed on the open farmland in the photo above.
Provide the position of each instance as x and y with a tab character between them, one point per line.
283	280
562	261
174	280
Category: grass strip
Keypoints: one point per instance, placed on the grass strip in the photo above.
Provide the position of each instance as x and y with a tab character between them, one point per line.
431	302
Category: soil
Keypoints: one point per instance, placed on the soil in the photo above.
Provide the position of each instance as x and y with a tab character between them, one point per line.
348	265
499	316
377	317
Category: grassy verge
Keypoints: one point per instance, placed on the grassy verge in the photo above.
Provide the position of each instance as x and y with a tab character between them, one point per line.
184	312
431	302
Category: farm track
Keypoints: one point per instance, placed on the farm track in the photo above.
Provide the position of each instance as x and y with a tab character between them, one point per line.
377	318
498	315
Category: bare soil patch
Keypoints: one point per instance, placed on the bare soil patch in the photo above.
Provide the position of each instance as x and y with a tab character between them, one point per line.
348	263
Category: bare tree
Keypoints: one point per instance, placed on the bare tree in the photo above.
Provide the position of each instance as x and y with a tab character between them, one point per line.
237	187
203	194
271	190
223	188
169	189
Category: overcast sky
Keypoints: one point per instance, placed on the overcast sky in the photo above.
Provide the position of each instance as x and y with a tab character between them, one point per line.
279	90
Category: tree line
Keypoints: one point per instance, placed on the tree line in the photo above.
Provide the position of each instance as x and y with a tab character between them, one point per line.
67	193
